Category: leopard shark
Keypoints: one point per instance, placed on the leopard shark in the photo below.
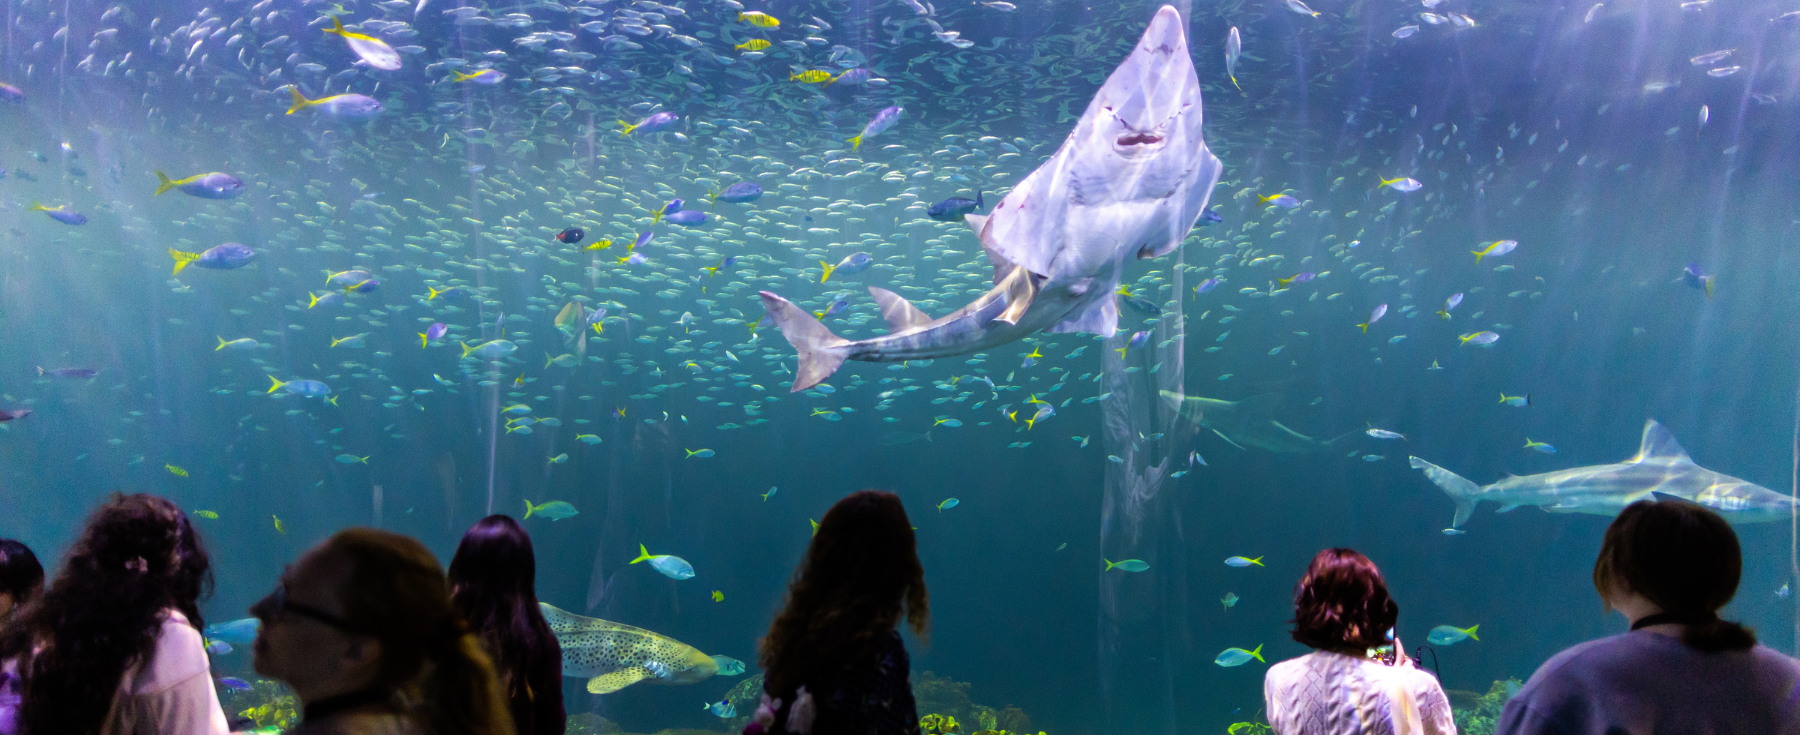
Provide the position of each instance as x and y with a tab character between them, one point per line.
1660	470
613	656
1130	181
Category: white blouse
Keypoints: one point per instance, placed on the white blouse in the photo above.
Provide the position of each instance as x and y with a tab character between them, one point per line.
1325	693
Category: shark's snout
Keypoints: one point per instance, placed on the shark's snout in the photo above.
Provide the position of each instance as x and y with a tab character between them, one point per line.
1165	33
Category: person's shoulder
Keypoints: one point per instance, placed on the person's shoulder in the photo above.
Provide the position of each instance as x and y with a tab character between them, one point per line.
1579	662
1769	658
1291	669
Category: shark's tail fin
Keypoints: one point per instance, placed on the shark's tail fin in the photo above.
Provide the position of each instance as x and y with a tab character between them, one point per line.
1463	492
821	352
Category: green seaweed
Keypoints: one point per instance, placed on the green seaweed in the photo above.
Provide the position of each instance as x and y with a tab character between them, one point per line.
269	703
1478	715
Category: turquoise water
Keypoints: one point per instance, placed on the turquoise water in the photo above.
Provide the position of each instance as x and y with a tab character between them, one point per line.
1575	131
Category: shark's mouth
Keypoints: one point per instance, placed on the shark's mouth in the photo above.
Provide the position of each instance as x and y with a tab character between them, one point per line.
1134	138
1134	141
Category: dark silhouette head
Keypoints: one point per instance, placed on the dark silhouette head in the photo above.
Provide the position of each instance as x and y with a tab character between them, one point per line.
860	576
1682	557
1342	604
21	576
492	580
136	557
370	610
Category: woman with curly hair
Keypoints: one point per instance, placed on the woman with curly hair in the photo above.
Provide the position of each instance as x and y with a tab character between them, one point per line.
113	645
833	661
363	630
1342	610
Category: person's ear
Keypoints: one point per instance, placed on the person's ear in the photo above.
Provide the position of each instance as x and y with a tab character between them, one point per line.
363	652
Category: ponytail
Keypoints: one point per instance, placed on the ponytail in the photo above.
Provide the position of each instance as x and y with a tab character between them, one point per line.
1717	635
460	694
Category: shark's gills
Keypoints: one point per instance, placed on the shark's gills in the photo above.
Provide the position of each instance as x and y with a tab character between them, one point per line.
1463	492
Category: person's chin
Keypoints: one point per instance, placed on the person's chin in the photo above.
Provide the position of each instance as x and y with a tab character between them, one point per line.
260	659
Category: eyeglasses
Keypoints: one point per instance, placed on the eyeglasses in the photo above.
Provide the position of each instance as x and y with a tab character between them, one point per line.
279	605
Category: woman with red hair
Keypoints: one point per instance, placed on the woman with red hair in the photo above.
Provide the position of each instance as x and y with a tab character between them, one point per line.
1343	611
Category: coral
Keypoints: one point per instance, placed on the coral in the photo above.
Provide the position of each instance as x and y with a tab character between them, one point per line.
1478	717
588	723
939	695
269	703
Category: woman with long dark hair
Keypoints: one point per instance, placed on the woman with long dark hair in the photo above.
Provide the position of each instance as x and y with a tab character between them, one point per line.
492	583
362	629
1668	566
833	661
113	645
1342	610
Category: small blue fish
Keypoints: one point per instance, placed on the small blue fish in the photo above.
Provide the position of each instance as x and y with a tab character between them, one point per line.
213	185
1373	458
687	218
218	648
1229	600
1455	532
1128	565
352	459
728	666
672	207
1697	279
673	567
1540	446
1445	635
1518	401
742	192
1241	562
241	631
60	213
723	709
436	330
234	684
948	503
953	209
878	125
1210	217
554	510
1207	285
655	123
1139	339
1238	657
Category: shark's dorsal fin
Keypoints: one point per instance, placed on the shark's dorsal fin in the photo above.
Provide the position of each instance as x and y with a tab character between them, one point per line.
899	313
1659	444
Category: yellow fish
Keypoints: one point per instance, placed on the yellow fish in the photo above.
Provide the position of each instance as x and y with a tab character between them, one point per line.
718	596
811	76
759	19
484	74
182	259
754	44
207	514
176	471
599	245
278	527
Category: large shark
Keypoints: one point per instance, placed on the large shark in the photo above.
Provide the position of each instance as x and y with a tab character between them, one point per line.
616	656
1660	467
1246	423
1130	181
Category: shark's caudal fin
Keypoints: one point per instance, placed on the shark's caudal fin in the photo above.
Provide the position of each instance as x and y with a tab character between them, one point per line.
1463	492
821	352
899	313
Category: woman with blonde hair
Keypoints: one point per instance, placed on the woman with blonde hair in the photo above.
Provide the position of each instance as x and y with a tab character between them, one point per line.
363	630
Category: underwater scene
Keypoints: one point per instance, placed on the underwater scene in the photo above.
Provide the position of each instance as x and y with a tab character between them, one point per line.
1136	307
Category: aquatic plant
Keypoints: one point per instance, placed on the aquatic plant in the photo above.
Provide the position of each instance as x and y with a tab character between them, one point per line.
268	703
1249	728
1478	715
588	723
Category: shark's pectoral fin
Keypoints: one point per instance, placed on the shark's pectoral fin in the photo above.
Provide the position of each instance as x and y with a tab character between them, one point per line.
613	681
1020	290
1228	439
1100	317
1563	507
1508	508
899	313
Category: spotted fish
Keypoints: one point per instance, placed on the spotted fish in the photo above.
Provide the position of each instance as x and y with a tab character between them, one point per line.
616	656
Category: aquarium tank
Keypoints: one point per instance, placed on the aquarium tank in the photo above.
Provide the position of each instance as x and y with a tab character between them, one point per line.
1136	307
